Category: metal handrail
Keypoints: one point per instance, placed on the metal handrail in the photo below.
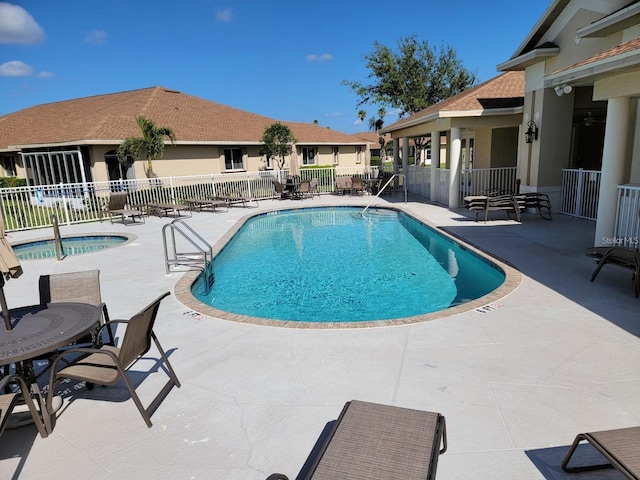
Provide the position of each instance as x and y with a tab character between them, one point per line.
202	258
385	186
57	238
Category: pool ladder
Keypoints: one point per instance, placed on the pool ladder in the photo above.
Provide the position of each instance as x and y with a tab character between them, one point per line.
201	258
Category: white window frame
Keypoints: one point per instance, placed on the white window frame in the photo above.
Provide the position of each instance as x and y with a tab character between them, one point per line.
358	154
234	164
309	155
336	155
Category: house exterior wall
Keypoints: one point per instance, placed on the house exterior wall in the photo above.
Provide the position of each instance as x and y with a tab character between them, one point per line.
504	147
184	160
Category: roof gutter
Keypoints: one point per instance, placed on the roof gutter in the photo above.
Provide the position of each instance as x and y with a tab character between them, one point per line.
608	65
442	114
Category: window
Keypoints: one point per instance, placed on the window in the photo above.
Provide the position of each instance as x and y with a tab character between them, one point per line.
233	158
9	165
308	155
358	154
336	153
119	170
268	162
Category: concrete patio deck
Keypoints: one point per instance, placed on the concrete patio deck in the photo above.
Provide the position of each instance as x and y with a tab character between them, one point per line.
556	357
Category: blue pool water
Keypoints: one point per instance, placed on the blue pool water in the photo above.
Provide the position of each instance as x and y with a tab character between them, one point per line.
72	246
333	265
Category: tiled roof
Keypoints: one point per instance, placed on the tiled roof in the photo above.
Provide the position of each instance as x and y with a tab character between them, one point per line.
111	117
503	91
626	47
368	136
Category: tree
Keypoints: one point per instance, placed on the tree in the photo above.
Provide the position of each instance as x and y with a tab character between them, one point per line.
376	124
362	114
151	144
414	78
277	141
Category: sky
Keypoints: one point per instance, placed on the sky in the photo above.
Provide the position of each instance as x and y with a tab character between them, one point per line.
284	59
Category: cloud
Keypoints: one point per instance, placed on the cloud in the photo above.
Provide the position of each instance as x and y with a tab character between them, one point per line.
15	68
18	26
358	122
319	58
224	15
333	114
98	37
45	74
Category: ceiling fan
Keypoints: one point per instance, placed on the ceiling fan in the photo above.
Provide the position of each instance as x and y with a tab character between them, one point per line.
590	120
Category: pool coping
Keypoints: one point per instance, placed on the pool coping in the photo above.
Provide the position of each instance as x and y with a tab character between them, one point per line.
513	278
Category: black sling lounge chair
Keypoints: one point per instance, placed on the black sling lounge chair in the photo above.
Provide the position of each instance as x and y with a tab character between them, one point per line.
619	447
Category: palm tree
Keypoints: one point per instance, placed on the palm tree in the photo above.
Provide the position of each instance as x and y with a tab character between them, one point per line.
151	144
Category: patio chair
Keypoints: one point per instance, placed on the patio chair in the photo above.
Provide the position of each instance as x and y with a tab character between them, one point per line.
623	256
83	287
313	187
280	189
379	441
106	364
303	189
8	402
619	447
357	185
117	207
342	184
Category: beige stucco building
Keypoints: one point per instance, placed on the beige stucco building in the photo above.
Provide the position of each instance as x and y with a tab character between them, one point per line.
75	140
582	67
578	108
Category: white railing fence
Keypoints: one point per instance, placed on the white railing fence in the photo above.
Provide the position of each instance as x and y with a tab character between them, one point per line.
580	193
31	207
442	186
627	232
479	181
418	180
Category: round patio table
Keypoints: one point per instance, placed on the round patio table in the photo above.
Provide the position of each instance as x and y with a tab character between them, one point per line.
40	329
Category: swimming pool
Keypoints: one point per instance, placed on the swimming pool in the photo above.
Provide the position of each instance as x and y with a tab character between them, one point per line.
333	265
40	249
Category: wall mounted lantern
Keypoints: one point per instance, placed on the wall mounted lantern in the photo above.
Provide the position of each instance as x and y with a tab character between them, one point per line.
532	132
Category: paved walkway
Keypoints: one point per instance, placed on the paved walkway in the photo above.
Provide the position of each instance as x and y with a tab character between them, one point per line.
557	356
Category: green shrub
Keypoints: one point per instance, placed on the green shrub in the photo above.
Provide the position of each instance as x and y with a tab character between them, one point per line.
10	182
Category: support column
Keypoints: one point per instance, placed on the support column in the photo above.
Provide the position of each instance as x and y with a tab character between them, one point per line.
396	154
435	163
454	167
405	154
613	160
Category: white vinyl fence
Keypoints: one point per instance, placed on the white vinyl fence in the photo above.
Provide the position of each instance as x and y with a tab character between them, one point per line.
627	231
580	193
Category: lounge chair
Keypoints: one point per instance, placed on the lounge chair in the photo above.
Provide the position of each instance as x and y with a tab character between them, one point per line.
198	204
106	364
160	208
372	441
117	207
8	402
490	203
620	447
625	257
